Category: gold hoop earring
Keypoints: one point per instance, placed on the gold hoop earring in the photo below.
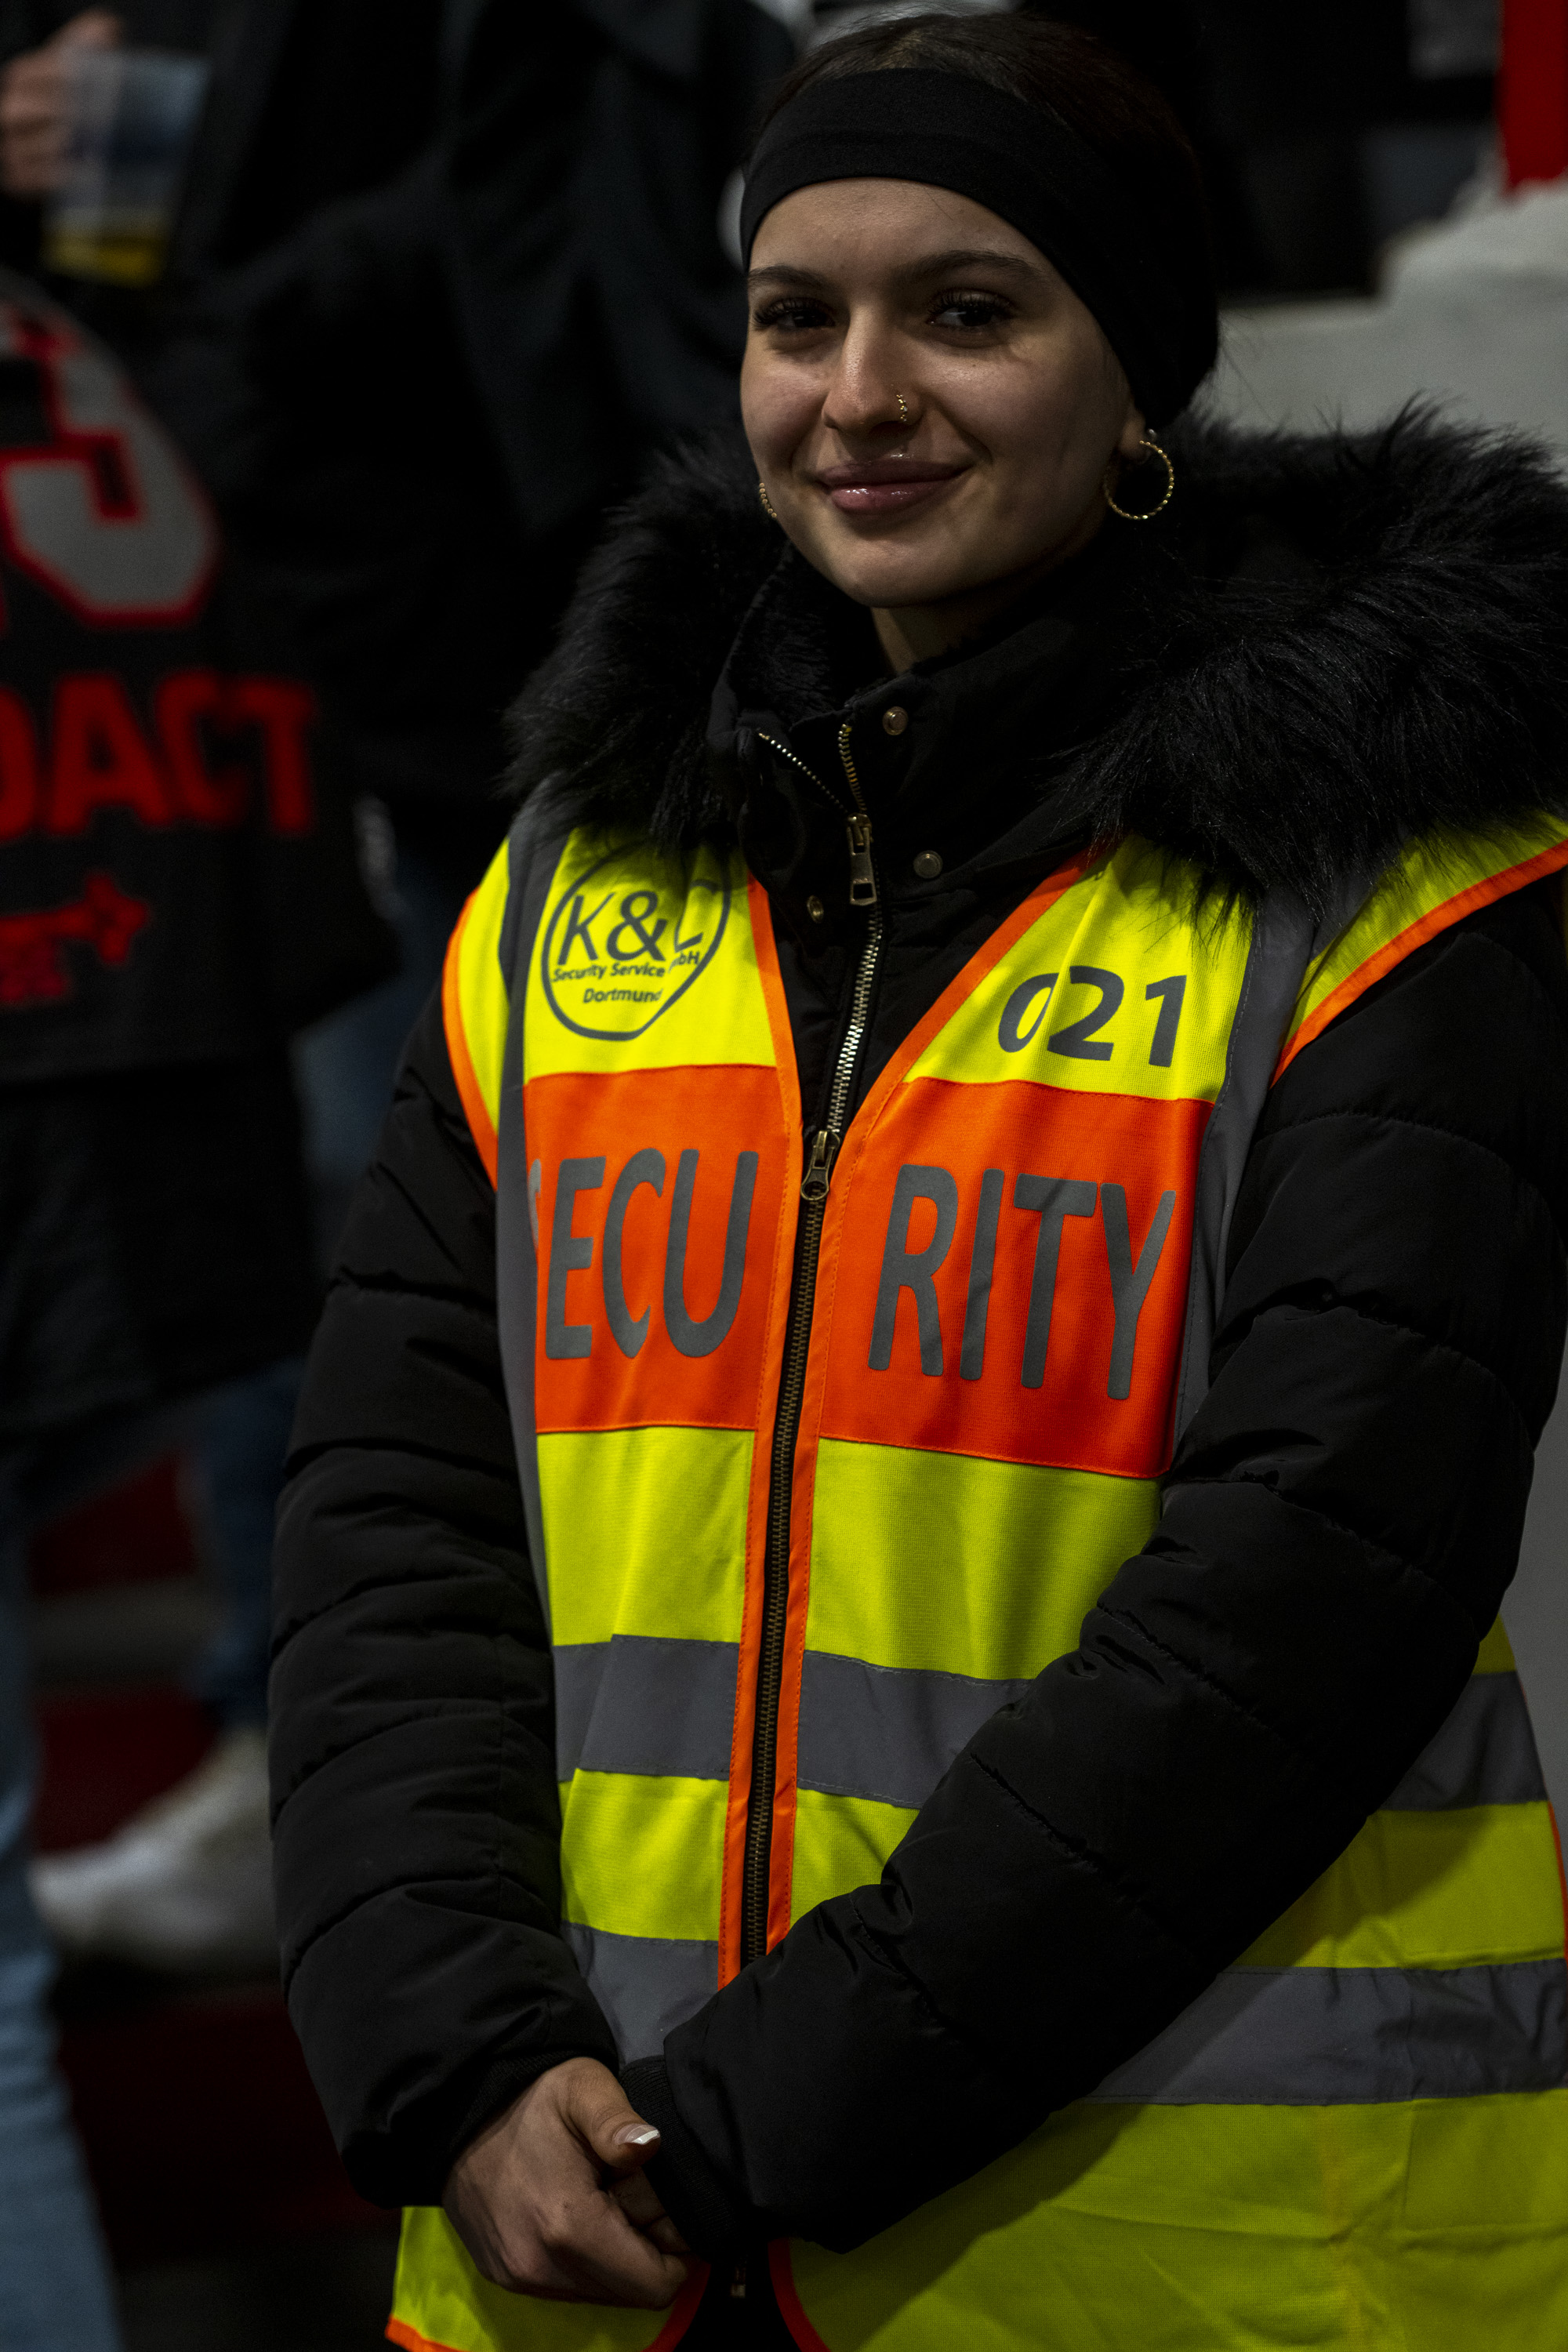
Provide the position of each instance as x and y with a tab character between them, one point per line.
903	412
767	502
1143	514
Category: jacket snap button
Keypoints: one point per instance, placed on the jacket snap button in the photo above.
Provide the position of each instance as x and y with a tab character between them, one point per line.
928	864
814	908
895	719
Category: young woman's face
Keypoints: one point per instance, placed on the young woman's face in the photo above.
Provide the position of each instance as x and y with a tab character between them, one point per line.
864	289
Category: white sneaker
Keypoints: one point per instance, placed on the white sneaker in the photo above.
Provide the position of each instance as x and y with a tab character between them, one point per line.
186	1886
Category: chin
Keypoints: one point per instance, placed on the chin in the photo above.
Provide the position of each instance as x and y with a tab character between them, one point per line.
881	571
891	586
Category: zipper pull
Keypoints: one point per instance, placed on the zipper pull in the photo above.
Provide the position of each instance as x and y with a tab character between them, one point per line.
819	1166
862	878
738	2283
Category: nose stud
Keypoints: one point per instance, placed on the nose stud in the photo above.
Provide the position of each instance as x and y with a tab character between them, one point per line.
903	412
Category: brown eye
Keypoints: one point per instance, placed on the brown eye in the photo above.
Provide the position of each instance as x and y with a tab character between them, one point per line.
970	310
791	314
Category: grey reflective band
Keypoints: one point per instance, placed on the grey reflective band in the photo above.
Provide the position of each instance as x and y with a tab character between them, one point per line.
887	1732
1284	942
532	850
642	1705
638	1704
1356	2037
645	1985
1484	1754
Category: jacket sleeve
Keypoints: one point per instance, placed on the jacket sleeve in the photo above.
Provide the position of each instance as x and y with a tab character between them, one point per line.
416	1823
1342	1521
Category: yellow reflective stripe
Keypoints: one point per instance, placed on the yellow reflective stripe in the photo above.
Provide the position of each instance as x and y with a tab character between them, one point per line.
1496	1656
1140	1001
440	2301
475	1007
645	1532
644	963
1441	1890
1435	884
840	1843
960	1565
642	1855
1421	2227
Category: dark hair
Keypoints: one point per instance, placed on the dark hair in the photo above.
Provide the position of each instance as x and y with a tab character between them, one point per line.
1059	71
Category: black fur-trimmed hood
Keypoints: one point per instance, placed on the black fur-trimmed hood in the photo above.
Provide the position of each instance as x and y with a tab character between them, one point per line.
1341	641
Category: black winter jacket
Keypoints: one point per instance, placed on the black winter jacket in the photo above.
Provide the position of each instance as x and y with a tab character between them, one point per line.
1335	644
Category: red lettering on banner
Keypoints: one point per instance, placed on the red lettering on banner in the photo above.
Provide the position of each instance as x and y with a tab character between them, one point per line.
103	514
21	782
1012	1281
34	969
212	796
285	711
102	759
659	1215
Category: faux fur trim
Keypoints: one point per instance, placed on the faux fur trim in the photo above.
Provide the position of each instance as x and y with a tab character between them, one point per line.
1350	640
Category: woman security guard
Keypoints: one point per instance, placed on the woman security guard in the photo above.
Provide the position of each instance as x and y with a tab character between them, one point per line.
889	1722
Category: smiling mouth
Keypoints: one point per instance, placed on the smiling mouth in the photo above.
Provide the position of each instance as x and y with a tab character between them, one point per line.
885	485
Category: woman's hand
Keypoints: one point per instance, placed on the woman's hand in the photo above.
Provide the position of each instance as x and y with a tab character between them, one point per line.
34	103
530	2201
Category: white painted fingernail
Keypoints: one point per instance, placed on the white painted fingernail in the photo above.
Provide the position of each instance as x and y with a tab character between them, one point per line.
643	2136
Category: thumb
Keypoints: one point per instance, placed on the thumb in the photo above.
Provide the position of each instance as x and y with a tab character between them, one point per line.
621	2138
94	29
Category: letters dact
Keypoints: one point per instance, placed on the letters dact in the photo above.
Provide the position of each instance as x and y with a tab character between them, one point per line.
218	747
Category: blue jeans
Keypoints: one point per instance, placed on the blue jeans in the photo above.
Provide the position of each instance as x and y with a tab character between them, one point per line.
54	2289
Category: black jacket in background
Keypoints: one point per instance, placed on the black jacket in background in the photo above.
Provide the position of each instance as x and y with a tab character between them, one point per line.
1334	644
588	146
179	890
440	372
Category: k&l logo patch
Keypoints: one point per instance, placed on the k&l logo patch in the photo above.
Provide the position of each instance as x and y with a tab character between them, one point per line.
614	958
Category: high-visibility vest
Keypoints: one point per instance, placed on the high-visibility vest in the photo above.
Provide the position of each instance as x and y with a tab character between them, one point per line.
1358	2136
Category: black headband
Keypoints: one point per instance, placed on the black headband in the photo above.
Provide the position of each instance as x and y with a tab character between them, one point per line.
1106	236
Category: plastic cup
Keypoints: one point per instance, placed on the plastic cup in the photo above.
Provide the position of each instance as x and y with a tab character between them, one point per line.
133	115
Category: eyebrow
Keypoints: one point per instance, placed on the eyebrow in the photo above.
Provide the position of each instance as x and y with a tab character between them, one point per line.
930	264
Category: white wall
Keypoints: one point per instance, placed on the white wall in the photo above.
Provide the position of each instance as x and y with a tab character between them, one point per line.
1473	313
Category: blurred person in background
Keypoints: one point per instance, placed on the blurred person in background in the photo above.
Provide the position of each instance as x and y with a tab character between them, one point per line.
407	340
895	1717
308	109
1341	125
179	893
186	1886
455	375
339	281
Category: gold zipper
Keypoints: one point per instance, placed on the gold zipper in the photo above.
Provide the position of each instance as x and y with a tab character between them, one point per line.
858	820
815	1182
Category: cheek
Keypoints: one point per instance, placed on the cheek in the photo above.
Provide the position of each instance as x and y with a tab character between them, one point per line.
1045	422
779	404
